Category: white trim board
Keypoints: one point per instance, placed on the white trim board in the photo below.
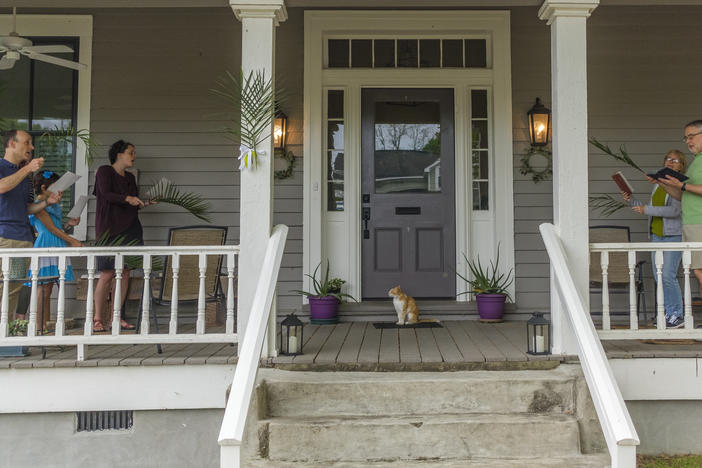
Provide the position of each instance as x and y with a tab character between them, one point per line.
80	26
338	234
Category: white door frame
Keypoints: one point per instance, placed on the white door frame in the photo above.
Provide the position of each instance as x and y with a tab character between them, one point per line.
80	26
337	235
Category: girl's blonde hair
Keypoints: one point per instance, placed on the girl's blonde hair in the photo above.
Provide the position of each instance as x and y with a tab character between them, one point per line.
681	157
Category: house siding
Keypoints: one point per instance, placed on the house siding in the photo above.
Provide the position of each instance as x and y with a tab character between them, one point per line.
153	68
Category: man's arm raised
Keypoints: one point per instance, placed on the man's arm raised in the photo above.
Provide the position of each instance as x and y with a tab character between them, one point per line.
12	181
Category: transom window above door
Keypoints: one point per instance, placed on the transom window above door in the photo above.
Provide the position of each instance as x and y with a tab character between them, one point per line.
407	53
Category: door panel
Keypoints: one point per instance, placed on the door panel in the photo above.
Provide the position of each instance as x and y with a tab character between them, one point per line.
408	192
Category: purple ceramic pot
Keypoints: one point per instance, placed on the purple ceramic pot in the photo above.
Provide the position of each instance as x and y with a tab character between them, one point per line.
491	306
323	310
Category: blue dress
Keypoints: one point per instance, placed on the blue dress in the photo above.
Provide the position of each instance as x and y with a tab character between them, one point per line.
48	266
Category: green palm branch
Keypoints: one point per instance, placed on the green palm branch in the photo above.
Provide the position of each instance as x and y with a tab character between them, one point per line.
58	136
606	204
165	191
623	157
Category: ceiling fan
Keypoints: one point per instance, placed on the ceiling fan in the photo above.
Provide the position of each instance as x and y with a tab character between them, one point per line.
14	46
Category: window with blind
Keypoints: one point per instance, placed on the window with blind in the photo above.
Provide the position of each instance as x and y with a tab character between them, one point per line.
40	98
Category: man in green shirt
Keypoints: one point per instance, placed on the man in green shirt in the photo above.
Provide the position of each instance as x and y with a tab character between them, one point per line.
690	193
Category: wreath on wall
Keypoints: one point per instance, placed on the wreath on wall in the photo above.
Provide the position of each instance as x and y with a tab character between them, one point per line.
538	172
289	157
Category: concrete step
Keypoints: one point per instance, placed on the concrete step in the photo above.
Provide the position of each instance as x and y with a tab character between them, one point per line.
577	461
321	394
420	437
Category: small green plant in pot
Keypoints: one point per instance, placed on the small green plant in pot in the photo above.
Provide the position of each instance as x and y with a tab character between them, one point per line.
490	287
16	328
324	301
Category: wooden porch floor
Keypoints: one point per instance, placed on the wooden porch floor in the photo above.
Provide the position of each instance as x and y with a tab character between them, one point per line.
459	345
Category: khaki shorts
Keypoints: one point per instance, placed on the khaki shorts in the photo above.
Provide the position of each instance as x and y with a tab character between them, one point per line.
18	271
693	233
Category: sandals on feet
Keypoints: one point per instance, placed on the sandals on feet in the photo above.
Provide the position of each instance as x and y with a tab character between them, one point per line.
124	325
98	327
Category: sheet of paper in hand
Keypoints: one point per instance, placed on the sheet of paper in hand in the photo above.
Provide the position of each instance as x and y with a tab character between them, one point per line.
622	183
666	171
64	182
78	207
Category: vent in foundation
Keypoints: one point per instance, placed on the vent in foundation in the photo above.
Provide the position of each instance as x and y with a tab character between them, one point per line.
89	421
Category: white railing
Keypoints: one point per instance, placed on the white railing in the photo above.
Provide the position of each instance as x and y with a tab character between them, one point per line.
61	336
634	330
619	432
232	431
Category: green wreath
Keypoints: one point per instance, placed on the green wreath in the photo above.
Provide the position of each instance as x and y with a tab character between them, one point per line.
288	172
537	175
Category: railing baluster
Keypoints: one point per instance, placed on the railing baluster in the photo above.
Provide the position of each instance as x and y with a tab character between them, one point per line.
117	294
5	307
604	263
61	306
687	261
633	316
200	325
32	326
229	327
89	297
173	325
660	301
146	296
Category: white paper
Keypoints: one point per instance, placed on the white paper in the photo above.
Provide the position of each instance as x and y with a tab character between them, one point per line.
78	207
64	182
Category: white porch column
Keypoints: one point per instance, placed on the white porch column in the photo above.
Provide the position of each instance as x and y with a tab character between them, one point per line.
567	19
259	19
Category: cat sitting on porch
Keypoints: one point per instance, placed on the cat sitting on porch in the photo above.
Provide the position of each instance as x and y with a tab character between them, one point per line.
406	308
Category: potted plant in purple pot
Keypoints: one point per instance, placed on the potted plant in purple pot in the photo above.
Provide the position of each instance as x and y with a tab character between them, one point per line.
489	286
324	301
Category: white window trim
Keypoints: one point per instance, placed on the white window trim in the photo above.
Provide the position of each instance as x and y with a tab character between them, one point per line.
319	25
80	26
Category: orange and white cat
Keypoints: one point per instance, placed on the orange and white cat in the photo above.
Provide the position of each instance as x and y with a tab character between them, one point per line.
406	307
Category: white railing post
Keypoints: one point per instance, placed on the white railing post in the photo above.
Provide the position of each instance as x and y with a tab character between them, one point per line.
173	324
633	300
89	297
32	326
5	304
660	301
686	262
146	296
61	306
229	327
200	325
604	263
117	295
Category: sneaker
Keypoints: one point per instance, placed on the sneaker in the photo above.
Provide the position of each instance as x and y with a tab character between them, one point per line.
675	322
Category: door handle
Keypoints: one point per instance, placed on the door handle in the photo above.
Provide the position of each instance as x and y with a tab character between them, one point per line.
408	210
366	214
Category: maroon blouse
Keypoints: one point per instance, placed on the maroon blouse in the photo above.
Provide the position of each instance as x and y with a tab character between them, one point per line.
112	213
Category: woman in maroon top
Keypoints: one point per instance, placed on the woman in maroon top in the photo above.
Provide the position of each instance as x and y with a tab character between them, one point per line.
116	217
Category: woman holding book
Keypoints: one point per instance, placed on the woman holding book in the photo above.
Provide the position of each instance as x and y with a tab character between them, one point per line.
665	225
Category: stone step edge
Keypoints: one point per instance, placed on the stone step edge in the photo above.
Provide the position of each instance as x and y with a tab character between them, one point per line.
391	420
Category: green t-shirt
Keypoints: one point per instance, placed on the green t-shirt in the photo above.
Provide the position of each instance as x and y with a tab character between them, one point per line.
691	203
658	199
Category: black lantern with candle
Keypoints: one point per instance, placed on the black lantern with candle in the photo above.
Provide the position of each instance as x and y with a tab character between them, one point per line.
538	334
291	336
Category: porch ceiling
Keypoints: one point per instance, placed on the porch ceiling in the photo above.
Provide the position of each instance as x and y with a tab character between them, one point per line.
403	4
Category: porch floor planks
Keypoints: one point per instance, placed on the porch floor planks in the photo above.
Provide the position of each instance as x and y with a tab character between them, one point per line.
468	348
314	345
352	345
389	345
331	348
370	347
428	349
409	347
447	346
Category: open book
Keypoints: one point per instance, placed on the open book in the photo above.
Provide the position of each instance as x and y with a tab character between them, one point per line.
622	183
666	171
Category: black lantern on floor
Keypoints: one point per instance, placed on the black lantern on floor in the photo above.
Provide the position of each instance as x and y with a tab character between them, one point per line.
291	336
539	124
538	334
280	131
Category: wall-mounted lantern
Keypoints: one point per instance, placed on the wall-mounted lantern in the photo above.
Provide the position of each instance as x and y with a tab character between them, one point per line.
539	124
280	131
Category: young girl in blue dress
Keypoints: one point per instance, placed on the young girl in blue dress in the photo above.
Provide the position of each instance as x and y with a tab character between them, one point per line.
50	233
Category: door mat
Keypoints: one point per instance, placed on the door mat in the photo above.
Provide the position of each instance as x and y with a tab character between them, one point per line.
671	341
382	325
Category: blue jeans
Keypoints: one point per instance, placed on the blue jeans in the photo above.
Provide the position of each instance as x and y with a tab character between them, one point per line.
672	297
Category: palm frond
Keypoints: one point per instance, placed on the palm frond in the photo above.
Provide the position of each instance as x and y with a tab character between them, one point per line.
623	157
606	204
58	136
165	191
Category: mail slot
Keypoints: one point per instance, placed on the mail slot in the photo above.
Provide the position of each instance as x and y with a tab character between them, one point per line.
408	210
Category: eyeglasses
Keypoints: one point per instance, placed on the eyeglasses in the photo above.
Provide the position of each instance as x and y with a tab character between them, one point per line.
690	136
672	160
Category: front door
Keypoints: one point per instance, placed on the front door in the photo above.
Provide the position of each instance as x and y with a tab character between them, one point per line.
408	213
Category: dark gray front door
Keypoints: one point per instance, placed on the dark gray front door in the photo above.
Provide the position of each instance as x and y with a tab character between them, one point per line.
408	192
